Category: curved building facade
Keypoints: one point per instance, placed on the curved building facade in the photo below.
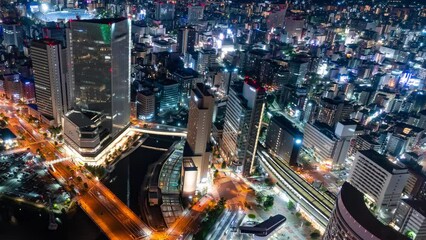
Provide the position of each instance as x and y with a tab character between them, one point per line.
352	220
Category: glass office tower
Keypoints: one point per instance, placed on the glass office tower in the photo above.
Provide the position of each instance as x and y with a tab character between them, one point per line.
99	74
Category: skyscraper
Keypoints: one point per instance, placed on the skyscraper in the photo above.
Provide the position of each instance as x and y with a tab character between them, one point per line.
49	78
378	178
345	131
199	127
284	139
294	26
276	18
333	111
206	59
169	95
241	130
55	31
328	146
99	83
99	51
186	39
364	142
298	69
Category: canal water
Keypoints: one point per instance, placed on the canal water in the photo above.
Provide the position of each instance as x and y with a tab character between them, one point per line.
20	222
127	177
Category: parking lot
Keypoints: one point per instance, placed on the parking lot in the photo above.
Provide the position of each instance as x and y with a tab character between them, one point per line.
24	178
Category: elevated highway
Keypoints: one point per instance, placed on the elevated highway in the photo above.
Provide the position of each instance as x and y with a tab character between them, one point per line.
164	131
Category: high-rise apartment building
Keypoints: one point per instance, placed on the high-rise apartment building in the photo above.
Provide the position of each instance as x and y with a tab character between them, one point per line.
328	146
206	59
99	72
186	39
169	95
284	139
364	142
422	120
13	34
12	86
186	78
298	69
396	144
55	31
195	13
352	220
345	131
381	180
241	130
49	78
145	105
416	185
333	111
28	90
200	118
410	218
310	111
320	141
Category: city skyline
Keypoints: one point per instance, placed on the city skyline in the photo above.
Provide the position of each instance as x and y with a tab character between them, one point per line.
213	120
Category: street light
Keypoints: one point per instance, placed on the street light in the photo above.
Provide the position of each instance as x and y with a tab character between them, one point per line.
44	7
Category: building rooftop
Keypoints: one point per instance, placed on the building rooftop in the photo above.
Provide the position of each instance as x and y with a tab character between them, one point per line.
146	92
186	73
353	200
202	89
284	123
381	160
102	20
208	51
326	130
407	129
139	23
168	82
331	101
255	84
161	42
41	43
368	139
80	119
271	221
413	155
349	122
